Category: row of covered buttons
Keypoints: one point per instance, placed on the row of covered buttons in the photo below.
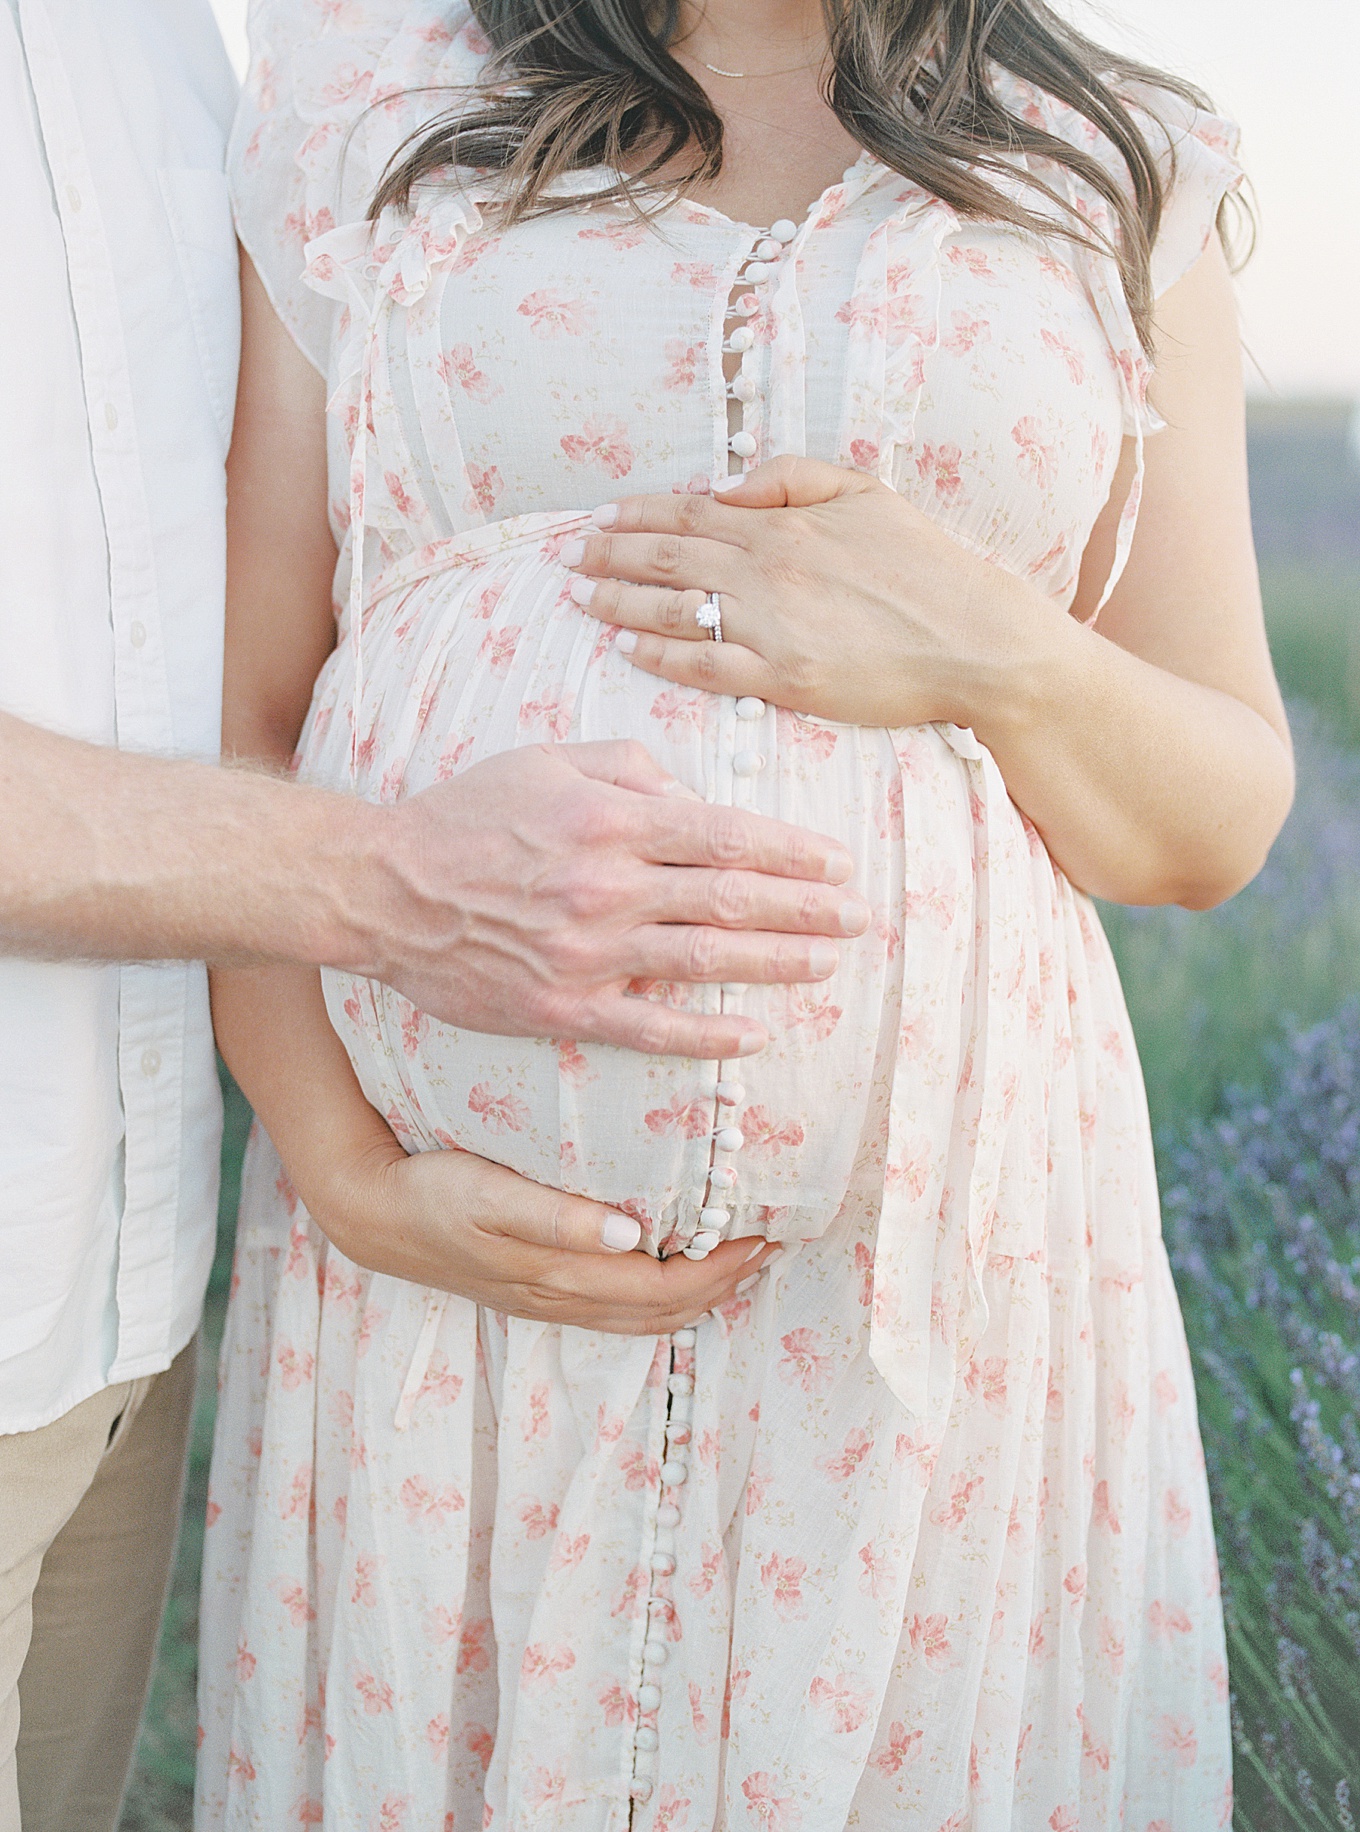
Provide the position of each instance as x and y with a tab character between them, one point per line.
760	266
674	1475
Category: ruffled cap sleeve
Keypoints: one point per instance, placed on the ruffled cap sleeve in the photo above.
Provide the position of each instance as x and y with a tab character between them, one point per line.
1201	169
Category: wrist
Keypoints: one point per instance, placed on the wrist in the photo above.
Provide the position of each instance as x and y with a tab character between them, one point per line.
1019	653
357	879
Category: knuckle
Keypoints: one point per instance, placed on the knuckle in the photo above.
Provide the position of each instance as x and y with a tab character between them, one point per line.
654	1032
691	513
706	663
702	954
727	839
666	552
673	612
731	899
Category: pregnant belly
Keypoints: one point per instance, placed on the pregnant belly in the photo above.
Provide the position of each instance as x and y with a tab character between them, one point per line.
489	652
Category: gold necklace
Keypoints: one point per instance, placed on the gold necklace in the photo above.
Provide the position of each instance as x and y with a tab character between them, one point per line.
743	75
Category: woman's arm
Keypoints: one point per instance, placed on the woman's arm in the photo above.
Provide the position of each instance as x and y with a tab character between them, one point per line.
1151	753
442	1218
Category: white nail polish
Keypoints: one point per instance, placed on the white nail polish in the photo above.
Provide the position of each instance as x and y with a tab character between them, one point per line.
606	515
583	590
626	641
571	553
620	1233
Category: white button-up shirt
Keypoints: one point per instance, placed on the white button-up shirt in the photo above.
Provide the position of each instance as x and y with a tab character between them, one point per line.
119	333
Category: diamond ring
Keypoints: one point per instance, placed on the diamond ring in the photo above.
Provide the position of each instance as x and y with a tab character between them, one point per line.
709	616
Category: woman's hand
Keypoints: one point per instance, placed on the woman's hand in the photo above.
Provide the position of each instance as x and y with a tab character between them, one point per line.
838	597
461	1224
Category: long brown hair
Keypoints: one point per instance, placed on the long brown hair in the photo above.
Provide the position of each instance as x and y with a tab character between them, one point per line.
582	83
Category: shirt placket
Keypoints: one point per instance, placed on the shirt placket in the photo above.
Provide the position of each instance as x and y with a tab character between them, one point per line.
152	999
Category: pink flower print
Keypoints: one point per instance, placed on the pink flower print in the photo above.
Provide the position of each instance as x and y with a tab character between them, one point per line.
625	233
848	1708
504	1112
543	1664
443	1624
783	1578
1075	1583
284	1187
568	1551
537	1423
701	275
672	1810
362	1590
902	1748
682	361
245	1663
474	1656
974	259
929	1637
1164	1391
635	1585
537	1520
863	312
296	1605
1176	1514
808	1009
402	501
552	315
295	1368
1176	1736
1111	1644
1053	1405
989	1379
458	366
547	1787
1038	1637
619	1707
441	1386
1076	366
552	715
1034	456
1064	1819
921	1451
864	456
297	1502
414	1025
842	1467
702	1581
913	1172
691	1119
1103	1512
807	735
484	487
601	441
1166	1620
952	1513
639	1470
765	1136
677	708
376	1693
864	1266
806	1361
426	1505
487	600
1044	564
309	1812
1217	1676
437	1736
940	464
698	1716
239	1768
572	1064
964	332
771	1810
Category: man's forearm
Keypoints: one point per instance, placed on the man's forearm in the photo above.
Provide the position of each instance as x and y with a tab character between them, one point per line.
109	855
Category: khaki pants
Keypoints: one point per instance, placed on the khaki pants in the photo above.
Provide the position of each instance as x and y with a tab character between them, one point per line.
89	1511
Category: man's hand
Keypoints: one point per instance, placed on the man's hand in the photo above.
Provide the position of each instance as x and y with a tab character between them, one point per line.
529	893
454	1221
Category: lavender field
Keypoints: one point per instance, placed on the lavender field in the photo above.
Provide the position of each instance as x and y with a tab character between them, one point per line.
1248	1021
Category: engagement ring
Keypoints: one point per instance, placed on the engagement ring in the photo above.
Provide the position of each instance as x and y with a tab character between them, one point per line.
709	616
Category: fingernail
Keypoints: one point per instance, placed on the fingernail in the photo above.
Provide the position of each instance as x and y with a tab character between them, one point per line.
750	1041
839	866
606	515
572	552
673	787
728	483
746	1284
583	590
626	641
620	1233
823	960
855	914
756	1251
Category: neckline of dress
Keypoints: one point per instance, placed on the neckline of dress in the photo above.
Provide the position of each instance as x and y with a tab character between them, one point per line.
853	179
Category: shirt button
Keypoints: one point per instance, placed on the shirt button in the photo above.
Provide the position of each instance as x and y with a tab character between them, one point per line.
743	444
673	1472
137	635
110	416
784	230
749	707
655	1653
742	338
649	1698
667	1515
769	249
747	763
641	1791
663	1564
682	1385
151	1063
705	1241
743	389
723	1177
73	197
729	1138
714	1218
685	1338
646	1738
760	271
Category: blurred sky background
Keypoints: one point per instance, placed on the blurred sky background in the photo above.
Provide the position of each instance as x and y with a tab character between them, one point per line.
1288	75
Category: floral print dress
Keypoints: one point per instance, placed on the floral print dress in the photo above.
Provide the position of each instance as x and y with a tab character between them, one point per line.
913	1533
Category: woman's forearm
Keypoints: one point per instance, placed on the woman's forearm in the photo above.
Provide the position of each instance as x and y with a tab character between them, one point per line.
1146	787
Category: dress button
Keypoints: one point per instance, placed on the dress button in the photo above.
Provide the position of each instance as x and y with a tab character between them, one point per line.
749	707
683	1385
641	1791
760	271
743	444
684	1338
649	1698
743	389
723	1177
770	249
668	1516
747	763
677	1434
655	1653
715	1218
151	1063
729	1138
137	635
784	230
704	1242
646	1738
742	338
663	1564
